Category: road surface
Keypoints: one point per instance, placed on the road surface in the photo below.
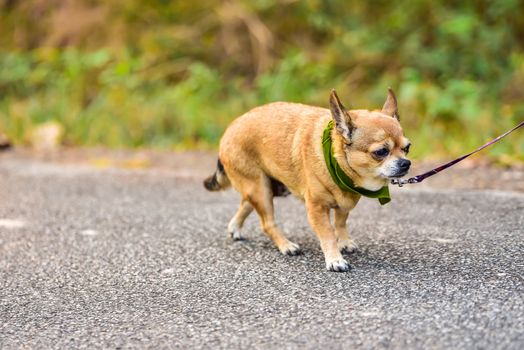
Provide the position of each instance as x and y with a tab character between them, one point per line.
141	259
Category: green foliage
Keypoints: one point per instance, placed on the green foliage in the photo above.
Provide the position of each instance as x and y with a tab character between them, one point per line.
167	74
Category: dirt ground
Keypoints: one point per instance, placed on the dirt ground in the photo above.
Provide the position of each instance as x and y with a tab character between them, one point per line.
471	174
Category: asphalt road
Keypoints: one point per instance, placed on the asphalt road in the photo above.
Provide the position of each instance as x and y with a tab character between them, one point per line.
141	259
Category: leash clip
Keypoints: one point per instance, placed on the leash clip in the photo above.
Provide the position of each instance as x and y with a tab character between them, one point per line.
399	182
411	180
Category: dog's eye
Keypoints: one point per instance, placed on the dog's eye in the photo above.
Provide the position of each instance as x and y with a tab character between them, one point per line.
406	149
381	153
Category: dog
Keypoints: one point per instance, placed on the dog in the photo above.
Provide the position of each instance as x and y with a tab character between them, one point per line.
328	158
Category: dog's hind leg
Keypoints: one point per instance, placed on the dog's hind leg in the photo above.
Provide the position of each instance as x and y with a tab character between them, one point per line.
345	243
260	195
236	223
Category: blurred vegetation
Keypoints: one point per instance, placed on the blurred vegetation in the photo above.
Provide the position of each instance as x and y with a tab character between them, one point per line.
130	73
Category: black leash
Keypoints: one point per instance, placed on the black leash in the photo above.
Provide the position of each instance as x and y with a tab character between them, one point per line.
422	177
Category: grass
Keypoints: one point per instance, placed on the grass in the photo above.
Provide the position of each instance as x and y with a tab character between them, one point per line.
123	100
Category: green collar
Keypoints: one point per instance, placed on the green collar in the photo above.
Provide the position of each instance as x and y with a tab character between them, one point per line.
341	179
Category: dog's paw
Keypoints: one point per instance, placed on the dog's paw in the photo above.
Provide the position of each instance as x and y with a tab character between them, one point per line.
235	234
338	265
290	248
347	247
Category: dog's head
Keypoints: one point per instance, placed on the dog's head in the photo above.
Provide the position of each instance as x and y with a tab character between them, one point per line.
374	145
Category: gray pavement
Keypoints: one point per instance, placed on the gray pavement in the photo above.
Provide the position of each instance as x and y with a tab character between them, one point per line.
140	259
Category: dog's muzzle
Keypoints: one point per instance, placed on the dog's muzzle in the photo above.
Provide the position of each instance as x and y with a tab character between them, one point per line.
402	167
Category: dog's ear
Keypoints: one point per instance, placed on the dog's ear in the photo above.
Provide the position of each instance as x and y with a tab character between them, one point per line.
390	107
342	119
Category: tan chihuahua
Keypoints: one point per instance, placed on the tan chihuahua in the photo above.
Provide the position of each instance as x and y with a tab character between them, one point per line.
326	157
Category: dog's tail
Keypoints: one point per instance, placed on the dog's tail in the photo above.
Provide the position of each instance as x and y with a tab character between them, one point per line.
219	180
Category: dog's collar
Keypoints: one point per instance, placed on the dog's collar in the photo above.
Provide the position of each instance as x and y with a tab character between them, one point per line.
340	177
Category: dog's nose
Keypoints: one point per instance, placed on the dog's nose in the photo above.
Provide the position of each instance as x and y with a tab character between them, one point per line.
404	163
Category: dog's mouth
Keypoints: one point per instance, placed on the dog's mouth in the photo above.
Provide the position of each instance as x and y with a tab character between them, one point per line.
399	174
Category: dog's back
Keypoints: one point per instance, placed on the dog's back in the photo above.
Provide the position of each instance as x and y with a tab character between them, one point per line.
271	139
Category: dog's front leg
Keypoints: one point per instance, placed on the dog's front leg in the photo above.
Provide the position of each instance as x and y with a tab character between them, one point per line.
318	215
345	243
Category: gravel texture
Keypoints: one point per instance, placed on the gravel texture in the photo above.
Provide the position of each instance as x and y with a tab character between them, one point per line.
141	259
